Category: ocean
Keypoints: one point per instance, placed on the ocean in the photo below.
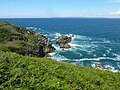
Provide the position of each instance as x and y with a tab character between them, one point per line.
95	39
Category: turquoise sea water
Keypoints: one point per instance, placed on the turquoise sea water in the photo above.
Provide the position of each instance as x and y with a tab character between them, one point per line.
94	39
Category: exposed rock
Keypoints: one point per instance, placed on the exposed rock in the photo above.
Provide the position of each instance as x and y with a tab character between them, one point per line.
37	51
64	45
44	46
47	44
97	65
18	37
64	40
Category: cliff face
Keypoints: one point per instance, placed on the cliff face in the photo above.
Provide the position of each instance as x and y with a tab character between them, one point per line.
23	41
43	47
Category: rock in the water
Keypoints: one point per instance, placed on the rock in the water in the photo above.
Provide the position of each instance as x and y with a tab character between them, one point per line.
64	45
64	40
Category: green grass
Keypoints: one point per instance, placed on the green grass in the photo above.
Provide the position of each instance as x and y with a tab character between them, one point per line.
19	72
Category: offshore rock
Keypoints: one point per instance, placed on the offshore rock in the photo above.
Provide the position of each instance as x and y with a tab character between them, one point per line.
64	40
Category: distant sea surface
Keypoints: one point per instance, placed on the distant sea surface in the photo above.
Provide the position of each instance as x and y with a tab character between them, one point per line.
94	39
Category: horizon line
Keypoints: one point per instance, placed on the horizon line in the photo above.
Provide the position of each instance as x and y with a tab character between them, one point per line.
60	17
63	17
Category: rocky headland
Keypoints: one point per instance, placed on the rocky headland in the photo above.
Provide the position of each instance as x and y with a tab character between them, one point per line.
23	41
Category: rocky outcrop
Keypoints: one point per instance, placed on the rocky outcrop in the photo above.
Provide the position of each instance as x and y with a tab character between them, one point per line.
64	40
44	46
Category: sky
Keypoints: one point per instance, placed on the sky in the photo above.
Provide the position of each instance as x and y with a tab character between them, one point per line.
59	8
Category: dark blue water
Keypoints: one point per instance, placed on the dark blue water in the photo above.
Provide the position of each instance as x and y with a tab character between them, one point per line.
94	39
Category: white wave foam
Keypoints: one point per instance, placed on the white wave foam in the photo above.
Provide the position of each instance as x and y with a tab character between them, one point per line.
51	54
93	64
101	42
39	29
57	35
74	45
118	64
57	47
29	27
94	59
53	39
58	57
84	59
104	55
82	37
111	68
117	57
108	51
106	42
73	38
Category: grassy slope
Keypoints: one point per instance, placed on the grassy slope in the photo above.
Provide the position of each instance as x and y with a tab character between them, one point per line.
31	73
7	43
